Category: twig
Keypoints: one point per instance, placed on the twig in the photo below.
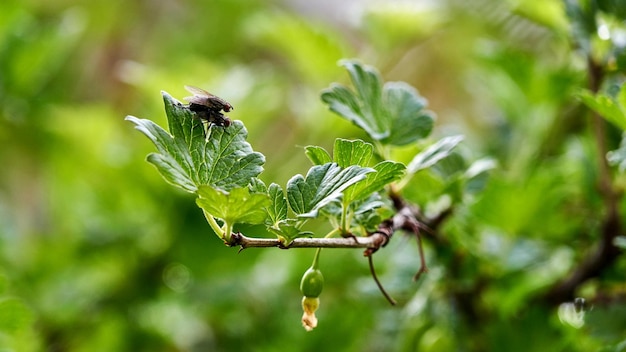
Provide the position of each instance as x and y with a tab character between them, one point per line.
374	241
380	286
411	224
423	268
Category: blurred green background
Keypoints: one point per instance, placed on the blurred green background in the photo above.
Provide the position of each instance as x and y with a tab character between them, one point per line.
97	253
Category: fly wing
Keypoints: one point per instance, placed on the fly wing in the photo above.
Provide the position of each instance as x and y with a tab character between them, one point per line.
197	91
202	97
196	99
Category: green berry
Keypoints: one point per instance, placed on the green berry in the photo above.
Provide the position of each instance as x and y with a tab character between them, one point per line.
312	283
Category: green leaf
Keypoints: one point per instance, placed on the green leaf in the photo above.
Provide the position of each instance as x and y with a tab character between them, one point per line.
236	206
173	160
277	210
363	108
476	175
352	152
182	123
612	110
433	154
189	159
287	230
317	155
451	167
394	114
257	186
405	108
370	212
386	172
227	160
323	184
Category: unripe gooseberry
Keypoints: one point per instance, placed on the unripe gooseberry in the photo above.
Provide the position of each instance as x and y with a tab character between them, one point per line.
312	283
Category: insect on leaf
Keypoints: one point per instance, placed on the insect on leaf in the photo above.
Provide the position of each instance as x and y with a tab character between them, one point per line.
188	158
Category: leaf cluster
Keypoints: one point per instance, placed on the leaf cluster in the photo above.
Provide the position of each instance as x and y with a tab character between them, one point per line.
220	167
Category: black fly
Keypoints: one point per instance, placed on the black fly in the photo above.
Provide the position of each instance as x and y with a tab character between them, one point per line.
208	107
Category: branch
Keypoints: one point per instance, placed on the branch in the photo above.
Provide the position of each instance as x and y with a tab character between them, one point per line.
405	219
606	252
375	241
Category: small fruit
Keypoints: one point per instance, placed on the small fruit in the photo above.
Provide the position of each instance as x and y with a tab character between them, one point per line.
312	283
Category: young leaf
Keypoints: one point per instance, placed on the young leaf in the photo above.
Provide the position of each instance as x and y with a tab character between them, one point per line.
386	172
277	210
188	159
236	206
355	152
323	184
363	108
405	108
370	212
317	155
394	114
257	186
287	230
433	154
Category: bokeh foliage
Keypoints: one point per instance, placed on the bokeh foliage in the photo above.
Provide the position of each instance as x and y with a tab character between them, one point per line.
98	253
